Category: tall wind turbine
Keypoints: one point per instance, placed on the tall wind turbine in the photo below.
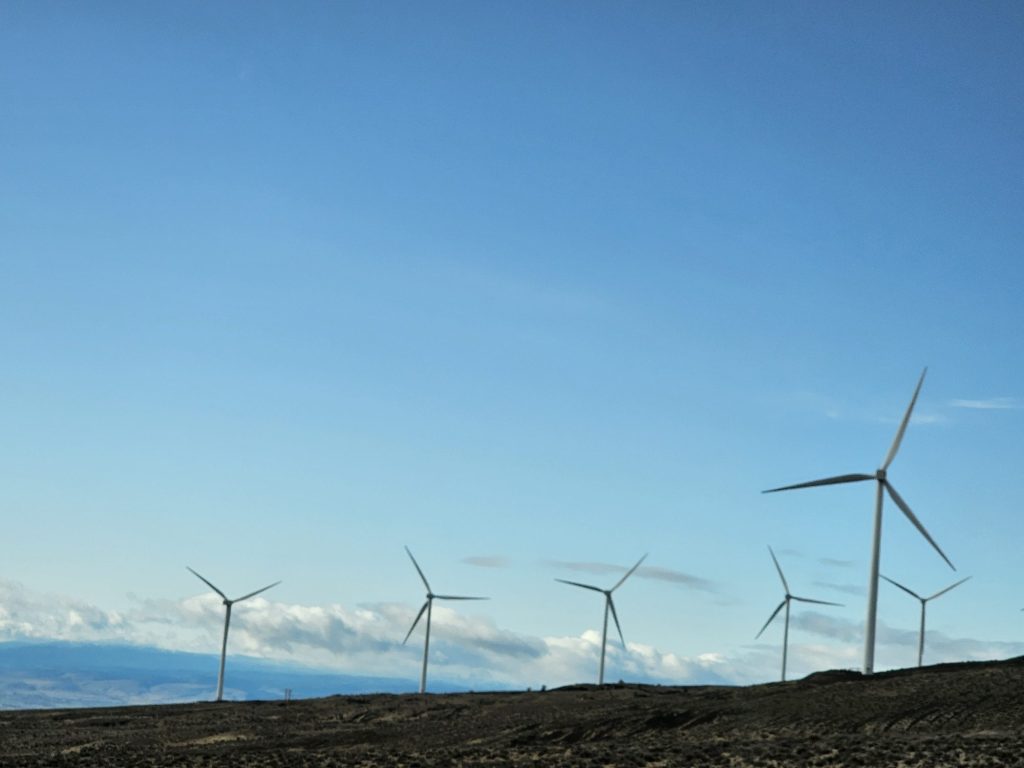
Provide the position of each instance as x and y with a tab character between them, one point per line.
428	607
227	621
785	604
609	605
924	601
880	476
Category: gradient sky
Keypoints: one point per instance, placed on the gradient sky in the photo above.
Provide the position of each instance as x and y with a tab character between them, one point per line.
533	288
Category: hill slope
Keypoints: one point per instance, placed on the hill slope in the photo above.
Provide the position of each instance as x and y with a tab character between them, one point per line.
957	714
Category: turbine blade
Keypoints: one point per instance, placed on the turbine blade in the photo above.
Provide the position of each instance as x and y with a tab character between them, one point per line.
584	586
628	574
459	597
415	622
419	570
944	591
903	424
207	583
827	481
908	590
253	594
818	602
917	523
770	619
611	604
779	569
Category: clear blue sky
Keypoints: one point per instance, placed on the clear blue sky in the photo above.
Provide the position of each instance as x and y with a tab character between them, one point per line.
284	287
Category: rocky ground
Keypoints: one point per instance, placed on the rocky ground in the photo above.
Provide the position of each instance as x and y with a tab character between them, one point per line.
954	714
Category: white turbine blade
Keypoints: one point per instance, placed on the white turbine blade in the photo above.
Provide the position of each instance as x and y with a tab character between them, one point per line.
779	569
253	594
418	570
908	590
207	583
611	604
584	586
770	619
827	481
903	424
944	591
458	597
817	602
628	574
415	622
917	523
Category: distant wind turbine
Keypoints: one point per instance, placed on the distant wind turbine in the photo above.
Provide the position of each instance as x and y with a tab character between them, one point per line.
880	477
609	606
924	600
785	604
227	621
428	607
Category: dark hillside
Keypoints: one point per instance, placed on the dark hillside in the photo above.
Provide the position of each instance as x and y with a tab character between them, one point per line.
953	714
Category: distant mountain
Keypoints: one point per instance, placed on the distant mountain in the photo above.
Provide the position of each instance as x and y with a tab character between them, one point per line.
55	674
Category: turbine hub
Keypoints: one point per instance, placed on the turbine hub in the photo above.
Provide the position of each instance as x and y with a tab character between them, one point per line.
880	474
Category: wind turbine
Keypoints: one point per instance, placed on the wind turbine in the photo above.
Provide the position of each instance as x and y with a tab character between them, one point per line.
785	604
924	600
609	605
227	621
428	607
880	476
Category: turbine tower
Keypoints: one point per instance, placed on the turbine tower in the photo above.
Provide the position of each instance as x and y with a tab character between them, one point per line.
924	601
609	605
428	608
883	486
227	621
785	604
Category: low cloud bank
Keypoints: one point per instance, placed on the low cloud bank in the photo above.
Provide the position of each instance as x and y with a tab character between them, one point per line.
364	640
466	649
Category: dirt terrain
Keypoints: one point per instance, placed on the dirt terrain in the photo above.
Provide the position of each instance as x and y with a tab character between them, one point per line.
954	714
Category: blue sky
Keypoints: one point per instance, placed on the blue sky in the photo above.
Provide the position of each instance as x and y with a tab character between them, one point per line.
285	288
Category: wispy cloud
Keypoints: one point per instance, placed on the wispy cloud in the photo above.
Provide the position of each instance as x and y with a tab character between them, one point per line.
848	589
837	410
989	404
487	561
834	563
654	572
600	569
676	577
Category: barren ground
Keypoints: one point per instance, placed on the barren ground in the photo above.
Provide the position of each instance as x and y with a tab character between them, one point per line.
954	714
